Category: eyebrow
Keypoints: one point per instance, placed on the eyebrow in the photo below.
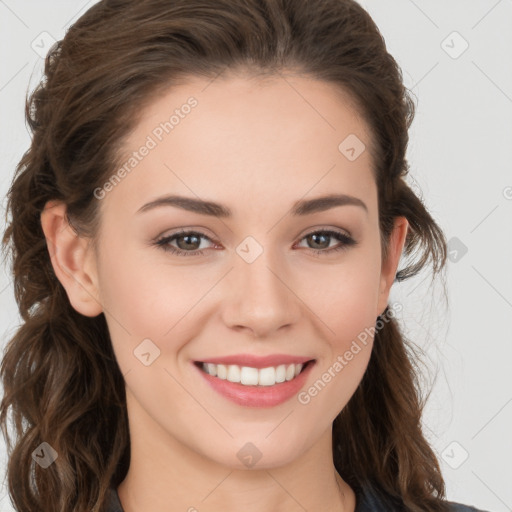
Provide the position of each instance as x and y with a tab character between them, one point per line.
301	207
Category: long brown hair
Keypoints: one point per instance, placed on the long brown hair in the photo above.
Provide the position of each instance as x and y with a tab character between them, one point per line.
60	376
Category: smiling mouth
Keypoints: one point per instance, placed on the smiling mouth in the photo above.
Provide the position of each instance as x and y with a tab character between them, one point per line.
249	376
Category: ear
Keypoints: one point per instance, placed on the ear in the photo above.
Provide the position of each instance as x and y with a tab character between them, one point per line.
72	259
390	265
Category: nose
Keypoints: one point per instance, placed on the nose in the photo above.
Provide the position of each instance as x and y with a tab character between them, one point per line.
261	298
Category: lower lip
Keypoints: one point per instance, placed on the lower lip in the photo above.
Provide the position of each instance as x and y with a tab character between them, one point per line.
257	396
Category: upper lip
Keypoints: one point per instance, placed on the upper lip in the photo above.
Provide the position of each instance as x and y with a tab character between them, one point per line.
257	361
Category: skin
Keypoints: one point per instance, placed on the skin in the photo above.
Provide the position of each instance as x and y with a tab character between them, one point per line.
257	147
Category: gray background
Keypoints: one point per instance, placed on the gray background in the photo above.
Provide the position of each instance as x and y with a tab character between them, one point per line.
460	155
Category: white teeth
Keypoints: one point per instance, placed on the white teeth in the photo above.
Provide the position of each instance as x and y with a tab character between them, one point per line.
222	371
212	369
267	376
253	376
281	372
248	376
233	373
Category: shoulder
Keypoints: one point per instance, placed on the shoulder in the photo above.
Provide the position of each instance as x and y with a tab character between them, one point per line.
369	499
459	507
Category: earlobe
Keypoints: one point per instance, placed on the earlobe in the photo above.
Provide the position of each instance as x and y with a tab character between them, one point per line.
71	259
390	266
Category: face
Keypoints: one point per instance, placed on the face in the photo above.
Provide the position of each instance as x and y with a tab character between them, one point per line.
269	282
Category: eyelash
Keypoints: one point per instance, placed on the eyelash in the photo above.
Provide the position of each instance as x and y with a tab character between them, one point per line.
163	243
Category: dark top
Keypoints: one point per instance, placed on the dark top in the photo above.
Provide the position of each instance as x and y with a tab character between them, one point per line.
367	500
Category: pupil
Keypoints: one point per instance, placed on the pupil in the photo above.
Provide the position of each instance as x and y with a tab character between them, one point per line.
187	245
321	236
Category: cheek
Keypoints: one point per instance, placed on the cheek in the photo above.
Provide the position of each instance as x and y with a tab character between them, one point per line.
346	296
351	303
348	314
143	300
346	303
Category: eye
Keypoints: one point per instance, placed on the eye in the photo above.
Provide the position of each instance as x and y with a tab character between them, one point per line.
189	242
323	238
191	239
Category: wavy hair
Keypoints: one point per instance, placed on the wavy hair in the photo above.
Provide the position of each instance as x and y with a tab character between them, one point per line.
61	380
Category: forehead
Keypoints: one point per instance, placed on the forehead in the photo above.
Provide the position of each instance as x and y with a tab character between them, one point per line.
240	136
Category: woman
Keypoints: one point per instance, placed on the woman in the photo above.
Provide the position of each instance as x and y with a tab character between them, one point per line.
205	231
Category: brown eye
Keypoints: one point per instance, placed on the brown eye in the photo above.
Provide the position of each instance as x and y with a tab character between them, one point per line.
187	242
320	241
